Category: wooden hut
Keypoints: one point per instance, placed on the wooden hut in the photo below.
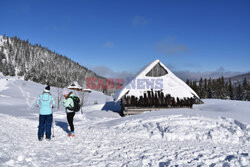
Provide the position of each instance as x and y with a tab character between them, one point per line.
75	86
155	87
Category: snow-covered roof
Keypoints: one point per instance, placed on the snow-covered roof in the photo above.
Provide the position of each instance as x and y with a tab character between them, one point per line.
74	85
171	84
87	90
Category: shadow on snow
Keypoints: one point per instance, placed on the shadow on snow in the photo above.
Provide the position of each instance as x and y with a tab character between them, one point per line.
112	106
63	125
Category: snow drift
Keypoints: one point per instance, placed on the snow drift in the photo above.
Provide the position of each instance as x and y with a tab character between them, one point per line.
216	133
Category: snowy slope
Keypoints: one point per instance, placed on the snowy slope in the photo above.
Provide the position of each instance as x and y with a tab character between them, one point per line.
17	92
171	84
216	133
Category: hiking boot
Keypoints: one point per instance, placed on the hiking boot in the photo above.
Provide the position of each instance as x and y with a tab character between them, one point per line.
48	139
71	134
40	139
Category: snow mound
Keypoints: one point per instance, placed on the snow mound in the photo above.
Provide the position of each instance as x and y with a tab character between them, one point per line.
121	145
180	128
3	84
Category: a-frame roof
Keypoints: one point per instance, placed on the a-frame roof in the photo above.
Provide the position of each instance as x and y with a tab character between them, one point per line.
74	85
171	84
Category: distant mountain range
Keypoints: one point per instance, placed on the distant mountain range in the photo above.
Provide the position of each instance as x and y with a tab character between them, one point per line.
196	76
39	64
239	78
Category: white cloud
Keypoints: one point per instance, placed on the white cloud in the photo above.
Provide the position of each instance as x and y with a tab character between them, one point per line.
108	44
170	47
139	21
184	75
109	73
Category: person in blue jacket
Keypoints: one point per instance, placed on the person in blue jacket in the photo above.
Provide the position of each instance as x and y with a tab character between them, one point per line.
46	103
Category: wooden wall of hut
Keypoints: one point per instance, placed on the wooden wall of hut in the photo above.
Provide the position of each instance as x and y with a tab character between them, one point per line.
156	99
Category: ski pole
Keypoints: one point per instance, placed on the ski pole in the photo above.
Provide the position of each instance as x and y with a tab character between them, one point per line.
53	123
53	135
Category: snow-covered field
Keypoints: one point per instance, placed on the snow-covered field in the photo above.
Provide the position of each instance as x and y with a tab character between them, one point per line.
216	133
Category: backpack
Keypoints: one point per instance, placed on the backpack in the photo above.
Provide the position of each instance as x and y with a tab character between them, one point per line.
76	101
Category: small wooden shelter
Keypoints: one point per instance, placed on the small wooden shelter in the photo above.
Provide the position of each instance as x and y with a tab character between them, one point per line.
75	86
155	87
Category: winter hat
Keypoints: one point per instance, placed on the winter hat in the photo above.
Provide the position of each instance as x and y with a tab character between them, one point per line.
47	89
65	92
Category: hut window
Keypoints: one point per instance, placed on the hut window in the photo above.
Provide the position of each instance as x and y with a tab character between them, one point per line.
157	71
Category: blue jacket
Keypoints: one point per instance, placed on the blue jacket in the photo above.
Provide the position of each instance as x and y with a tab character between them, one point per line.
68	103
46	102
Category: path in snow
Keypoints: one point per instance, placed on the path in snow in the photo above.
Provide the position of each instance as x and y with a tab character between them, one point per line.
173	140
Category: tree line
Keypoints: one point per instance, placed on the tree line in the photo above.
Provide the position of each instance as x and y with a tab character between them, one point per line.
39	64
221	89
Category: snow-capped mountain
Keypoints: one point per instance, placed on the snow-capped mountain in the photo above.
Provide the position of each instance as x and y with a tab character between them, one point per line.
239	79
39	64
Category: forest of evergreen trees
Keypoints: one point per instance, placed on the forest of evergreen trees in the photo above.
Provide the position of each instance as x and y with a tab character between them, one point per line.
220	89
39	64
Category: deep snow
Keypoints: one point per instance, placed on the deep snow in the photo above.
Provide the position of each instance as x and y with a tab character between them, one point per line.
216	133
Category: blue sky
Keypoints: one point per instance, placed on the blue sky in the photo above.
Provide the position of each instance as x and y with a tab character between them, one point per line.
124	35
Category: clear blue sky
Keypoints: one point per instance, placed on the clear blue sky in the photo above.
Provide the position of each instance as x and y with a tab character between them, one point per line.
127	34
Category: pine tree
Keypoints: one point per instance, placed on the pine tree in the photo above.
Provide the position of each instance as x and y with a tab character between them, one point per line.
245	84
248	93
201	89
39	64
11	69
194	86
209	85
188	82
205	88
227	90
230	90
239	92
245	90
223	91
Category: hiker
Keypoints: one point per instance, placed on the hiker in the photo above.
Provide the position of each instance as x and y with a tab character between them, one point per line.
46	103
68	103
81	97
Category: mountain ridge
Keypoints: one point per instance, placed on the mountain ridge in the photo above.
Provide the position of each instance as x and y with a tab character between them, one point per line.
39	64
239	78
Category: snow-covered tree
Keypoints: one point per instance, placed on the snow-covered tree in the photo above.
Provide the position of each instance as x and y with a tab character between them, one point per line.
40	64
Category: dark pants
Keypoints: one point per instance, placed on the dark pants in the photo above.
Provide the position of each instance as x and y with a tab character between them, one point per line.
45	121
70	117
